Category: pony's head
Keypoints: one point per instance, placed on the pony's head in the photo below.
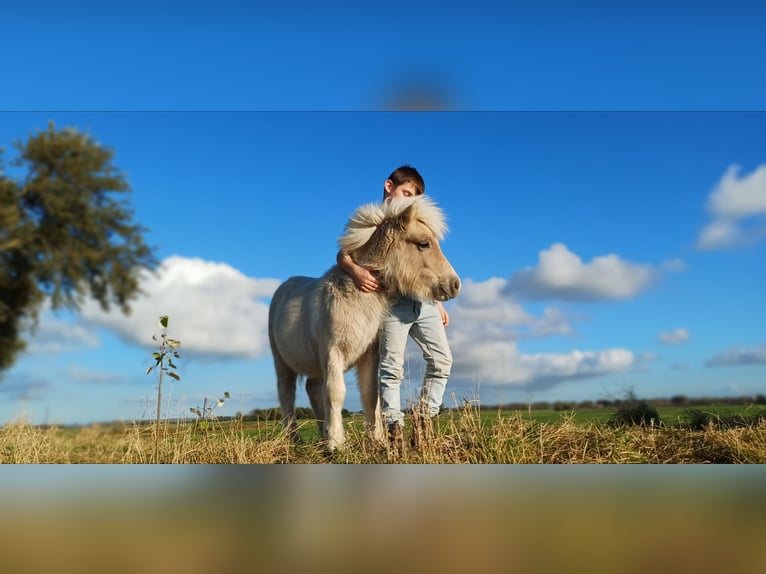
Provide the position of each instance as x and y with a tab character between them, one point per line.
400	240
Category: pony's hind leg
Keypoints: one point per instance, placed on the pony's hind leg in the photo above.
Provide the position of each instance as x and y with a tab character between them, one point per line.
367	376
333	399
286	381
315	389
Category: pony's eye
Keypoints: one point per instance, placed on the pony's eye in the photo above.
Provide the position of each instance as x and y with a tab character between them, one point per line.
423	245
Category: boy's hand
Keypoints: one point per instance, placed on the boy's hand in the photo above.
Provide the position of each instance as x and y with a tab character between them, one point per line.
444	314
365	280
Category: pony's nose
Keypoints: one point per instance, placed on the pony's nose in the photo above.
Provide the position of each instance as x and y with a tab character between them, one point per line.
455	285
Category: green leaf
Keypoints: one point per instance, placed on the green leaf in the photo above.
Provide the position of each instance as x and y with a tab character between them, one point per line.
149	370
164	321
171	364
157	355
174	343
174	375
226	395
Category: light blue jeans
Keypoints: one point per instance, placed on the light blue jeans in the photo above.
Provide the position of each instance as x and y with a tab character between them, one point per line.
422	321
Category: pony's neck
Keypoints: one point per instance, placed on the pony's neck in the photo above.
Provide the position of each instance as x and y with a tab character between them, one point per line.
375	305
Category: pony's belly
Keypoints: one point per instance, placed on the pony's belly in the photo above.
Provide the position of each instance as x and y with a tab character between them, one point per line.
301	357
312	324
305	355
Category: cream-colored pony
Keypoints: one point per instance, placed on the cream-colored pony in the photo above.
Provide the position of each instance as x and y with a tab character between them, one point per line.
322	327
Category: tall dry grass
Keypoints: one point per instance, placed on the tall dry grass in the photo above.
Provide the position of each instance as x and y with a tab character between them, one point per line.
460	437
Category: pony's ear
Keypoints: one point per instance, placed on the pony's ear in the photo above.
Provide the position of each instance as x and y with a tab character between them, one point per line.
403	220
372	253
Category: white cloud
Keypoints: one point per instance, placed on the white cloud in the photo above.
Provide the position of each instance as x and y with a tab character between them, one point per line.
737	207
545	370
501	363
561	274
486	302
53	335
738	197
213	309
553	322
738	356
674	337
487	311
720	234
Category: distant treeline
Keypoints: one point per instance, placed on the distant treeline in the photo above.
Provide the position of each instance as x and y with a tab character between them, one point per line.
275	413
674	401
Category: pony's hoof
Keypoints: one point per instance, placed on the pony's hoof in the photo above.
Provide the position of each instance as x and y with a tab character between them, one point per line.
335	445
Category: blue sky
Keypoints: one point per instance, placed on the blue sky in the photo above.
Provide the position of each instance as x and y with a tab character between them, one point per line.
603	172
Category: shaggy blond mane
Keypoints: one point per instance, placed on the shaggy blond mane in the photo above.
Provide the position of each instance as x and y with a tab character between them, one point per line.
366	219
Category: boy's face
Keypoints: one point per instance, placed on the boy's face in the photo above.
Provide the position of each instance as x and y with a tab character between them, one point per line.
406	189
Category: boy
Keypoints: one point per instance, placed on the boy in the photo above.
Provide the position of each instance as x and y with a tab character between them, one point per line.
424	321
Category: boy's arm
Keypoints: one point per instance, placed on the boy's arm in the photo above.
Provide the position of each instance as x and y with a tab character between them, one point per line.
364	278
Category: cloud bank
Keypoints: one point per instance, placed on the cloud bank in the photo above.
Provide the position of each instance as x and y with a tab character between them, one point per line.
484	346
738	356
214	309
501	363
492	320
737	208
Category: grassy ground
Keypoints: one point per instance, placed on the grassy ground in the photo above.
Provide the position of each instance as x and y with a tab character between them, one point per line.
461	436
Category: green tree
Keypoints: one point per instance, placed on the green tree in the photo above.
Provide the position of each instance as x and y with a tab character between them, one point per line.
66	232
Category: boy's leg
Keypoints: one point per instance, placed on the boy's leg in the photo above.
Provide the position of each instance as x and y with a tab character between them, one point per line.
393	340
429	333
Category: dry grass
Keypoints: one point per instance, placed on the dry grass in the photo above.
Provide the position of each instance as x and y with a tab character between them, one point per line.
459	438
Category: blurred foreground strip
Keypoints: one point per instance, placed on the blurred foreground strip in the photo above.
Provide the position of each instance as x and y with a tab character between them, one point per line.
329	518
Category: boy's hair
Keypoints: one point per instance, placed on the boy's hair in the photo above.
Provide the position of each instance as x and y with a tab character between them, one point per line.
405	173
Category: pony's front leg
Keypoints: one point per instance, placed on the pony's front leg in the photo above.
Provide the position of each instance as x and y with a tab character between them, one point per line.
367	375
286	380
336	394
315	389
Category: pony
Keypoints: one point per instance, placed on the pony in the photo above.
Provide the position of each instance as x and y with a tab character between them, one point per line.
322	327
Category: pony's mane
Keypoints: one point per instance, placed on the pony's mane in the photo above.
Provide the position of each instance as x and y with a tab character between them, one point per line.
367	218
